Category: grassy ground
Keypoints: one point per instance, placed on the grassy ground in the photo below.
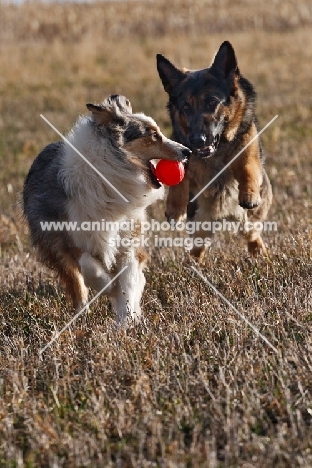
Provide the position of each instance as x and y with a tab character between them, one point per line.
192	386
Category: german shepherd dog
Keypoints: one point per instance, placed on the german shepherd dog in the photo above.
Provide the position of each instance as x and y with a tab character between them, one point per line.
61	186
213	113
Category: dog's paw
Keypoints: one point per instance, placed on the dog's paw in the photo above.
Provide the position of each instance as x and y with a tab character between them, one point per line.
256	247
198	253
249	200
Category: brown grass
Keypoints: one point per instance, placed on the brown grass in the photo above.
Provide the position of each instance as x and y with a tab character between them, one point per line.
193	386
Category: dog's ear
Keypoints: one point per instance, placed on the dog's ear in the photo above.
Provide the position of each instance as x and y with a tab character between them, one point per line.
102	115
169	74
124	104
225	61
119	103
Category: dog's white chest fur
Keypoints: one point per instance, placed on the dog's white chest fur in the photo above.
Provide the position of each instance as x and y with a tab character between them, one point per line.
91	198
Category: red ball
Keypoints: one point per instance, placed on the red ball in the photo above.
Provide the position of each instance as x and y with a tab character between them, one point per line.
169	172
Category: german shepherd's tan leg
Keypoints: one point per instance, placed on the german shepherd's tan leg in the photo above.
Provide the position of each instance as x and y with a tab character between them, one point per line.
177	200
254	239
200	236
198	252
141	257
247	170
256	244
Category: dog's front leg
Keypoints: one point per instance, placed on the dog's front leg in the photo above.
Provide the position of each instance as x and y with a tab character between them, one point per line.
129	286
177	200
247	170
94	274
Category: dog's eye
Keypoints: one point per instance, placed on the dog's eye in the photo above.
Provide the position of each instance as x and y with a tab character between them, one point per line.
155	136
211	102
185	106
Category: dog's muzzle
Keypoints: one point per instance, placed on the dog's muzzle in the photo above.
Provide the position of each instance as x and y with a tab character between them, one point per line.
208	150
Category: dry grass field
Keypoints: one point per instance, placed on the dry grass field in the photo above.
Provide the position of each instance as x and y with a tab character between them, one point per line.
193	386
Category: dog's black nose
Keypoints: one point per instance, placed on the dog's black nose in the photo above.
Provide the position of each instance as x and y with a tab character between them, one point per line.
186	152
198	141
